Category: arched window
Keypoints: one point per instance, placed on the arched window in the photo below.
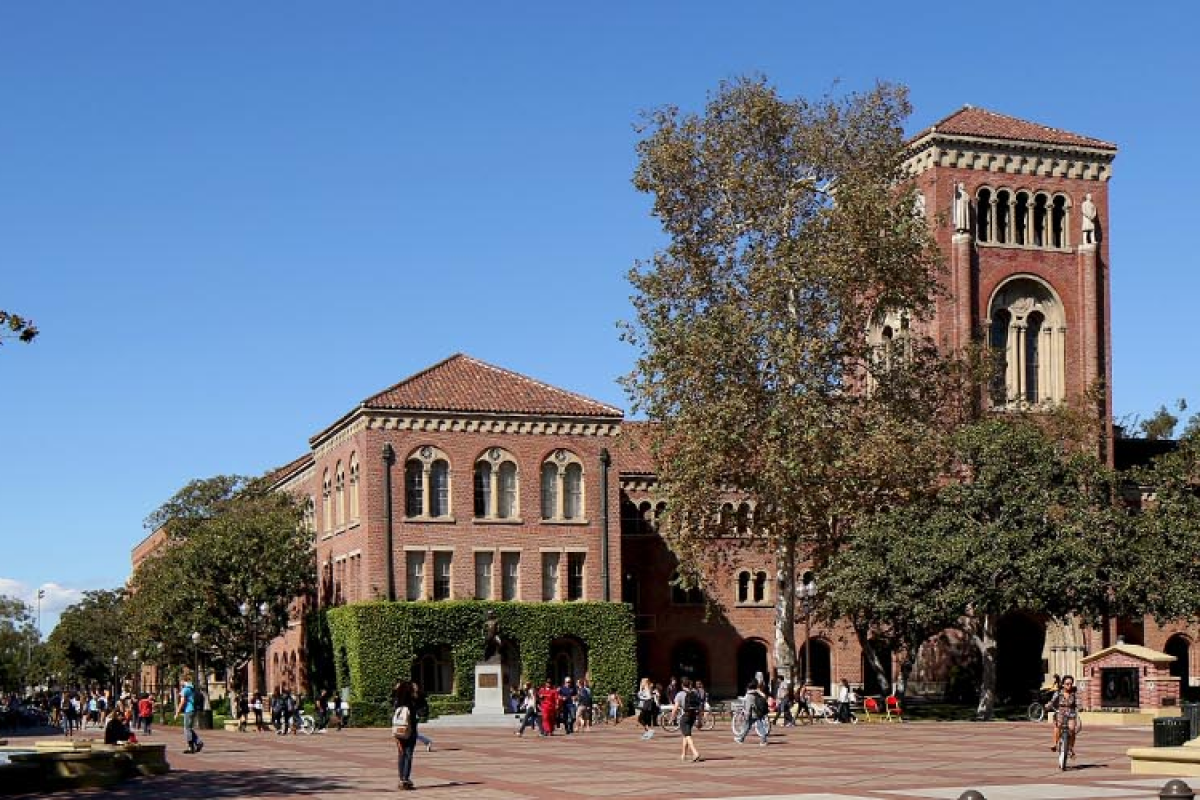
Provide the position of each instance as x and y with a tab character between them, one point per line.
743	518
1058	223
1003	217
682	596
1028	334
427	484
1022	219
497	490
354	487
339	490
760	587
327	502
1040	214
562	487
310	513
983	215
743	587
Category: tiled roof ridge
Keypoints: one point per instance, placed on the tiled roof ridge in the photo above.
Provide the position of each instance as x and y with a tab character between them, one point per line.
375	398
1064	136
275	475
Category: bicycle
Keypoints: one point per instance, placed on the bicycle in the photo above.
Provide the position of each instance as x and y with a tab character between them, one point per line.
739	722
1037	709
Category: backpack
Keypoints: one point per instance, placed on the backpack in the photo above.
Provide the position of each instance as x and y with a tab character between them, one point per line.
691	702
760	705
400	722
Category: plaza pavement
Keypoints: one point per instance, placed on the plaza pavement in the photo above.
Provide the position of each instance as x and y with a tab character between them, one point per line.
912	761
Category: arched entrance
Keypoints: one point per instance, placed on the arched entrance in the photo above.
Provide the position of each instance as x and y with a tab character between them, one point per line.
1179	646
751	660
689	659
822	665
433	668
1019	643
567	657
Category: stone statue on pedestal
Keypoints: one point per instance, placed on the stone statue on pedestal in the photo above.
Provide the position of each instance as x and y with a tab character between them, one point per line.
491	639
1088	213
962	209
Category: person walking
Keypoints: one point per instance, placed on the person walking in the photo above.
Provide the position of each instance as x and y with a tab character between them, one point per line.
404	730
568	694
146	713
755	703
647	709
422	707
687	706
528	708
188	707
548	707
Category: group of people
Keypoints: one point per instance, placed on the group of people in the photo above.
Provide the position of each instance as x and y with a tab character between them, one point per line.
569	705
75	711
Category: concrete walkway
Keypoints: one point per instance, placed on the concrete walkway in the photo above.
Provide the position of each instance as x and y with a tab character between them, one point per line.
915	761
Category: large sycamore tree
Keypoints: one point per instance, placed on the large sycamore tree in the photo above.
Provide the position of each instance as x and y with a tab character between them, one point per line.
230	540
790	232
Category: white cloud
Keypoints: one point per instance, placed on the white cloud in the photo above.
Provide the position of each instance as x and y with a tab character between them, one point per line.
55	598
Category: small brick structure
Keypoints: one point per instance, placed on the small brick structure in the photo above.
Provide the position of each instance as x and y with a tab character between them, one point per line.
1128	677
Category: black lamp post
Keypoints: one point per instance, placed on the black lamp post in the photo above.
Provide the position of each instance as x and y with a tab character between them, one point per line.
196	657
253	614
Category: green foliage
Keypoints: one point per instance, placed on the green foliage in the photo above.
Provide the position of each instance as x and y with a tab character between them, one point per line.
18	640
1162	424
16	327
375	644
88	636
231	540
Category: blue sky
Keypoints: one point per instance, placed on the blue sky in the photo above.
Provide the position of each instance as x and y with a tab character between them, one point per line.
234	221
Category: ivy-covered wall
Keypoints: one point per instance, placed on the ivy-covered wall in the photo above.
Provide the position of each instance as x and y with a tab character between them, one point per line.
374	644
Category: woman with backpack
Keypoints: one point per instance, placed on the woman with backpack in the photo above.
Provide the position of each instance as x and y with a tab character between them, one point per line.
687	705
647	708
404	730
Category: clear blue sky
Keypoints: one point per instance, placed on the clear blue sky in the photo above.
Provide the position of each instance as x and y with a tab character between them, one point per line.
234	221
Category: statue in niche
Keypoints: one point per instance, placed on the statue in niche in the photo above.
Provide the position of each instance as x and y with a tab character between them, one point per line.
919	205
491	639
962	209
1088	212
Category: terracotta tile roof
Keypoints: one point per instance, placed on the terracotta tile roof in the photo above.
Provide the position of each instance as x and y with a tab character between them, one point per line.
632	452
465	384
971	121
278	474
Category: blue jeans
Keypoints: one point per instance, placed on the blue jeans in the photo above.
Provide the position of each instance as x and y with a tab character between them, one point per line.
405	757
190	737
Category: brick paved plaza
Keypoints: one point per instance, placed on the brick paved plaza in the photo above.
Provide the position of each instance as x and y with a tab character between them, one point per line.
916	761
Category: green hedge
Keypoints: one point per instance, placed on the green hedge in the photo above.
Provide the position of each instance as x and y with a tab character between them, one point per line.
374	644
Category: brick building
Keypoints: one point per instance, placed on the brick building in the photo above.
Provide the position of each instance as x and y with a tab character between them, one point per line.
467	480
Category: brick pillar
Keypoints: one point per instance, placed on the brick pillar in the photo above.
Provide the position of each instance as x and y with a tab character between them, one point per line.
964	296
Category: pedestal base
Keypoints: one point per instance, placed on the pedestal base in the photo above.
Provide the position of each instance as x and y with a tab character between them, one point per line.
490	693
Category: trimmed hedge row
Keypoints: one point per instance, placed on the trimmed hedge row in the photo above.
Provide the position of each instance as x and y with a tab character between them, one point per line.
375	644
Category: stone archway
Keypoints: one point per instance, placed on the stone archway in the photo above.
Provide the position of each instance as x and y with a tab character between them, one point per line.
689	659
1020	642
568	656
1180	647
433	669
751	661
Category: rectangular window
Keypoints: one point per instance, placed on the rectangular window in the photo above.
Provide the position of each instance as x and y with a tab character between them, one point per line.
441	576
415	576
550	576
483	575
575	575
511	564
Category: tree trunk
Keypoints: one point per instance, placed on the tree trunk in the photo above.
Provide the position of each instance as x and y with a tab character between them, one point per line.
785	610
874	663
984	636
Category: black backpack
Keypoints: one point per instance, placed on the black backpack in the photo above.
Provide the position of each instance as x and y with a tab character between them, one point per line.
760	705
691	702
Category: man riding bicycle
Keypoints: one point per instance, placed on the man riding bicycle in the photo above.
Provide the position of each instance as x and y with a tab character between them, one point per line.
1065	705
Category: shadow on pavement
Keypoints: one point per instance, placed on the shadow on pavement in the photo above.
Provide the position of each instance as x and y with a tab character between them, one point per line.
208	784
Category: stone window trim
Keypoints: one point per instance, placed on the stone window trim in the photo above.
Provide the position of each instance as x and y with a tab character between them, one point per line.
436	485
752	589
339	493
568	480
501	465
355	485
327	502
1022	218
1034	367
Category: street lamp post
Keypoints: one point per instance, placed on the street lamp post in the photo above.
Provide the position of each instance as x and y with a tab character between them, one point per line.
253	614
196	655
137	673
807	591
116	680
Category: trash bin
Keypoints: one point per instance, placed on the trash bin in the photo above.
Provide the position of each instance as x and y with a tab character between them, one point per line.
1191	711
204	720
1171	731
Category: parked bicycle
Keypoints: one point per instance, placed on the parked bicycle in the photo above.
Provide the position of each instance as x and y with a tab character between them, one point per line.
706	719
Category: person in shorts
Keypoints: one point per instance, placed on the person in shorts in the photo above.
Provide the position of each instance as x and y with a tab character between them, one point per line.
687	706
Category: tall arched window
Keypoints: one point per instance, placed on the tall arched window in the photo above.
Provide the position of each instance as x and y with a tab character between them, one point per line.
562	487
339	490
354	487
427	484
497	489
327	502
983	215
1028	333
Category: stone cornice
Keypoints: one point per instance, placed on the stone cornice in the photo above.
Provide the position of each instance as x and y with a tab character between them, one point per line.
478	423
638	483
1008	157
296	479
334	437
